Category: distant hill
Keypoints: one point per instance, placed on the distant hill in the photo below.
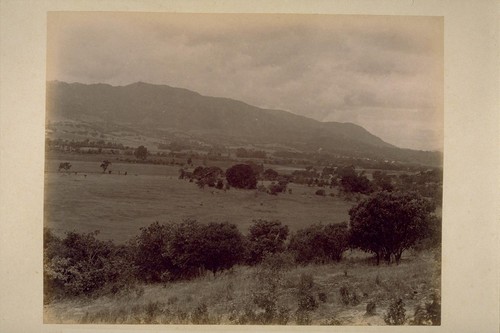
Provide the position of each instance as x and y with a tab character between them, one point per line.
148	107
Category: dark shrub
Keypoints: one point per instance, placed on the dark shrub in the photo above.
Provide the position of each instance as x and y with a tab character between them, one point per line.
265	237
320	192
371	307
82	264
152	244
320	243
222	246
271	174
241	176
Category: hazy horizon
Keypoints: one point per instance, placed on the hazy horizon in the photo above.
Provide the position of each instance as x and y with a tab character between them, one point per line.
384	73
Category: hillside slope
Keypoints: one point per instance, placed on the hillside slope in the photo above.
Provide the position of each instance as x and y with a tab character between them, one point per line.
149	107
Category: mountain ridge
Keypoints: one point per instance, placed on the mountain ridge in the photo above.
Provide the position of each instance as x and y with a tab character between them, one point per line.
151	106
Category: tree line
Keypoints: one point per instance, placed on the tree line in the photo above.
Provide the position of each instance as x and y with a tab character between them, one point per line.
346	179
385	224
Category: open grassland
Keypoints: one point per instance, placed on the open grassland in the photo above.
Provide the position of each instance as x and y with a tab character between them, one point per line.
119	205
227	298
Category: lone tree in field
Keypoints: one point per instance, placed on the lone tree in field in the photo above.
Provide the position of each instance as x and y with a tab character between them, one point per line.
389	223
241	176
104	165
141	153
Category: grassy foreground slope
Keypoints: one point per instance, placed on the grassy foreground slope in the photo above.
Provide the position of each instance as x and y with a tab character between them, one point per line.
341	293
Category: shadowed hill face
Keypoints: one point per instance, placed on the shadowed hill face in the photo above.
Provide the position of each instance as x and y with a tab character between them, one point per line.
150	107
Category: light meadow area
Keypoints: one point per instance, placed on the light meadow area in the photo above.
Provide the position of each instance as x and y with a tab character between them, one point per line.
119	205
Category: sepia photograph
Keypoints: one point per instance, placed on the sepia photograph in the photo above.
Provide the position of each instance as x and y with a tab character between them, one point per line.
270	166
243	169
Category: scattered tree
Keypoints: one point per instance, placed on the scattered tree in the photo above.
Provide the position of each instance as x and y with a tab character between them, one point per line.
241	176
388	223
64	166
104	165
141	153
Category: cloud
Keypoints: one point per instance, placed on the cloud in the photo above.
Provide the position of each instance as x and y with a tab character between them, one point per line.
377	71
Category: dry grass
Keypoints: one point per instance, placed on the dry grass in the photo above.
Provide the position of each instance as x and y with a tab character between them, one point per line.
119	205
227	296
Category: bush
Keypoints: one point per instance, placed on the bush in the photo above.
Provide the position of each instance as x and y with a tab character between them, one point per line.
265	237
396	313
184	250
82	264
322	297
320	192
151	244
371	308
280	187
141	153
222	246
241	176
320	243
271	174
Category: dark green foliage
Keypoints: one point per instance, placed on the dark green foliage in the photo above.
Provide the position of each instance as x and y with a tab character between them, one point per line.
222	246
271	174
381	181
265	237
320	243
184	250
396	313
241	176
141	153
82	264
151	244
353	182
208	176
389	223
280	187
428	184
64	166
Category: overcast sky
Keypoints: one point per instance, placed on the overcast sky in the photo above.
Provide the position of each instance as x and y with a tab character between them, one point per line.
384	73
